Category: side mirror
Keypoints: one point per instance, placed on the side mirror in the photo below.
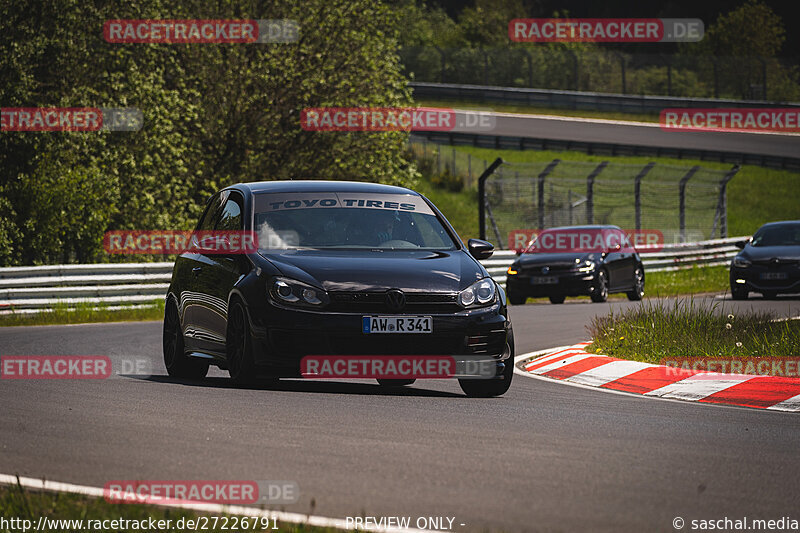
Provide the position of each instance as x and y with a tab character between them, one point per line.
480	249
740	244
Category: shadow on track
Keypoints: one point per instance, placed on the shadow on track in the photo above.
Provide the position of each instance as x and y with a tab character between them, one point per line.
300	385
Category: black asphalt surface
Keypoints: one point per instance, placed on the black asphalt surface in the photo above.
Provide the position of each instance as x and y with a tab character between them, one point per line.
544	457
587	130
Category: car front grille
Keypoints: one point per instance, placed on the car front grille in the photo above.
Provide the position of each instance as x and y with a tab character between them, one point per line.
375	302
299	344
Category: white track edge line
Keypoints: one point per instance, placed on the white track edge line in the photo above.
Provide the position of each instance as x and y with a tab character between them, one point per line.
295	518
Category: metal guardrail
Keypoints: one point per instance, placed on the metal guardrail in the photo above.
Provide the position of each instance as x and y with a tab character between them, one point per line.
627	103
32	289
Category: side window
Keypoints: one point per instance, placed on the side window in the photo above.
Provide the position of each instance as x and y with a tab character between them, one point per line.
209	218
230	218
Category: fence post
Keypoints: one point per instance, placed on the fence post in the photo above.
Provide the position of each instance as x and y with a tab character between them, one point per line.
439	159
469	167
530	67
763	77
622	66
444	64
590	191
716	77
540	190
722	206
574	69
485	66
454	160
682	208
637	188
482	196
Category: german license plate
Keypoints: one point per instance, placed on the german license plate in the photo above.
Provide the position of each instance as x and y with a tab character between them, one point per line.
397	324
773	275
544	280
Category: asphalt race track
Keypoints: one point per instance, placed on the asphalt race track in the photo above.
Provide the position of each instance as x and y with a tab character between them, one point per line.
544	457
635	133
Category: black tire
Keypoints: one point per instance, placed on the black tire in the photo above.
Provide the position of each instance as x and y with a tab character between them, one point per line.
557	299
515	299
239	345
175	360
637	292
600	288
489	388
769	295
738	293
396	382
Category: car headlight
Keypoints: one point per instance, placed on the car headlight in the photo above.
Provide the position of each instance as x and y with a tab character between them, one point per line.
478	294
292	292
587	266
741	262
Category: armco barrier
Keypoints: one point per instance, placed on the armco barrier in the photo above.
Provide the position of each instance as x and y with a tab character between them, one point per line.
630	103
29	289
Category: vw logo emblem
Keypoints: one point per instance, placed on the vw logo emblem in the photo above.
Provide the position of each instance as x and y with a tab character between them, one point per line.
545	270
395	299
775	261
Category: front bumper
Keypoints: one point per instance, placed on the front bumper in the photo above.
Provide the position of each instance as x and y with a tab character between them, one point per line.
753	278
571	283
282	337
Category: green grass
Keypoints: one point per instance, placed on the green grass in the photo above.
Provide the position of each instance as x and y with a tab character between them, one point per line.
660	329
84	313
537	110
16	502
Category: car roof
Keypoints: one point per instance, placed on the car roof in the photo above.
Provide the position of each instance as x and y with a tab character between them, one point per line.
320	186
781	223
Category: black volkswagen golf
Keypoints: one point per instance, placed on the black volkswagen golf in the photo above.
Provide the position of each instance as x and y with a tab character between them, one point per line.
340	269
577	260
769	263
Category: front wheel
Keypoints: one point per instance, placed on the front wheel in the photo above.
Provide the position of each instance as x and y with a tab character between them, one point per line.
557	299
489	388
600	288
239	347
738	293
515	299
175	360
637	292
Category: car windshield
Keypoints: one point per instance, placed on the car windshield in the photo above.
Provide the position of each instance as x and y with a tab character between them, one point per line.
343	220
782	235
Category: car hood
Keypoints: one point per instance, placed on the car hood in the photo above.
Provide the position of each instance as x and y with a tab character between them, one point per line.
763	253
373	270
564	259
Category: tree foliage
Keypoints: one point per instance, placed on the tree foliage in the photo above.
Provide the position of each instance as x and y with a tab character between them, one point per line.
214	114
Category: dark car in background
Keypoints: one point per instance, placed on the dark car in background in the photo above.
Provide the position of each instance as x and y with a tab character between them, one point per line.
592	261
769	263
335	261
